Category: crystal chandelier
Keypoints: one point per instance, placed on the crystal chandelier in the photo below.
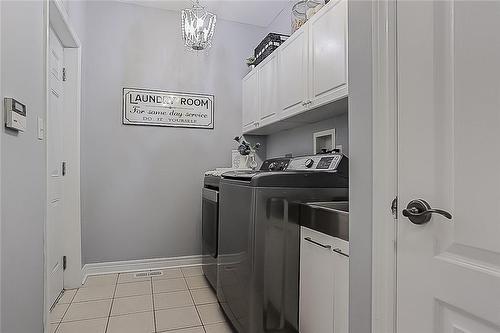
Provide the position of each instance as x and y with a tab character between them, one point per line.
198	26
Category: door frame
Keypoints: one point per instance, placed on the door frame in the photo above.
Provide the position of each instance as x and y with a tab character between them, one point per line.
56	18
385	166
1	135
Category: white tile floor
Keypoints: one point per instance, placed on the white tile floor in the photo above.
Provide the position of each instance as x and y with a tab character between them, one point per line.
179	301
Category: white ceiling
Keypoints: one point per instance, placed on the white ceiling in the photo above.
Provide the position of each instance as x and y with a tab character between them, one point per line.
256	12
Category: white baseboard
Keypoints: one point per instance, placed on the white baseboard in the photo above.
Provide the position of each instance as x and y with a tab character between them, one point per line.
139	265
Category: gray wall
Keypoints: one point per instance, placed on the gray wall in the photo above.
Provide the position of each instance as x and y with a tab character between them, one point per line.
23	169
360	165
299	140
141	184
282	23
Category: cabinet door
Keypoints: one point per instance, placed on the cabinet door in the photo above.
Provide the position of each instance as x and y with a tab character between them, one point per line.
341	292
328	53
292	72
316	283
268	88
250	100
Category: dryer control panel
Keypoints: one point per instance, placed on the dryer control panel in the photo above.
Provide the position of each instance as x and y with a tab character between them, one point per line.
324	162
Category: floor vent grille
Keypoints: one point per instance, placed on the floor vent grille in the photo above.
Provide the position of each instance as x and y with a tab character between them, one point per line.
147	274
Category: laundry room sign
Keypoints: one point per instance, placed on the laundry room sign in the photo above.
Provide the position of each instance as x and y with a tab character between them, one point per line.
164	108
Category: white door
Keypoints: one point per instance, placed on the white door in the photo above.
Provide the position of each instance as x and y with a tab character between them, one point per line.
55	173
448	271
250	100
292	73
328	54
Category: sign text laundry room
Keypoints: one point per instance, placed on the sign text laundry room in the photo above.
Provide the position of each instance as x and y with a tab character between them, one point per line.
165	108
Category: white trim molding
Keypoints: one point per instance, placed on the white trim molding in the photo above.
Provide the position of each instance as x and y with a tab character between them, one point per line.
384	166
139	265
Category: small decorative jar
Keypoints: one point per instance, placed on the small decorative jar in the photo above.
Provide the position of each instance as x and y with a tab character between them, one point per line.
299	15
313	6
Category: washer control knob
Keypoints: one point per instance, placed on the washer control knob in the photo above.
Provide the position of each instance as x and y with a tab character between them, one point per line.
309	163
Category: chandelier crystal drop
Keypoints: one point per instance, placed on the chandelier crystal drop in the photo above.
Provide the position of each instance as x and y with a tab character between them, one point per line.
198	27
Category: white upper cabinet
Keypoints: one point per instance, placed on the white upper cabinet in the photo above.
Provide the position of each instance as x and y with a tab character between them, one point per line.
292	72
306	71
250	99
328	54
268	90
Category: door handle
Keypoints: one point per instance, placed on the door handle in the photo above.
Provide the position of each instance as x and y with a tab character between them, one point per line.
317	243
339	251
420	212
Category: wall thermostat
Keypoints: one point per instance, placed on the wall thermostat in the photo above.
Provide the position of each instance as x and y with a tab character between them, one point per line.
15	114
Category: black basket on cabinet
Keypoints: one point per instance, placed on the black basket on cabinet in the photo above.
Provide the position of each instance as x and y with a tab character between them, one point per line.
267	46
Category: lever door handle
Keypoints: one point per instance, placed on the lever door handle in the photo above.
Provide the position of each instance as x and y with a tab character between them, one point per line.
420	212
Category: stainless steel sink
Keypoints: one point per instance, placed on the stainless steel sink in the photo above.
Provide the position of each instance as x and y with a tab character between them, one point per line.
331	218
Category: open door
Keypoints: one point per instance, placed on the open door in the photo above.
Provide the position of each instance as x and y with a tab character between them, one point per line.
55	177
448	262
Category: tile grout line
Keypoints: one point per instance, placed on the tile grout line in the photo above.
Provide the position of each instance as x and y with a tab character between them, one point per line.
178	307
112	302
69	304
195	307
62	317
153	300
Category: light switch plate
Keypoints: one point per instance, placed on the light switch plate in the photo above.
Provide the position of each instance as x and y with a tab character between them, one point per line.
41	128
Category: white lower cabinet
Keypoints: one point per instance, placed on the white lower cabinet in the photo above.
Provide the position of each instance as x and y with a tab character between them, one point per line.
341	294
324	284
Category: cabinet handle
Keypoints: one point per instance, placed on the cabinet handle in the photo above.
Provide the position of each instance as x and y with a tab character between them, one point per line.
316	243
339	251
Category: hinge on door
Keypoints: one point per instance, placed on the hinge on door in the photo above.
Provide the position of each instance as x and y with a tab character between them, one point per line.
64	74
63	168
394	207
64	263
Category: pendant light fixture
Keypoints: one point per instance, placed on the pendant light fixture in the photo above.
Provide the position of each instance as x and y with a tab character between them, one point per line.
198	27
